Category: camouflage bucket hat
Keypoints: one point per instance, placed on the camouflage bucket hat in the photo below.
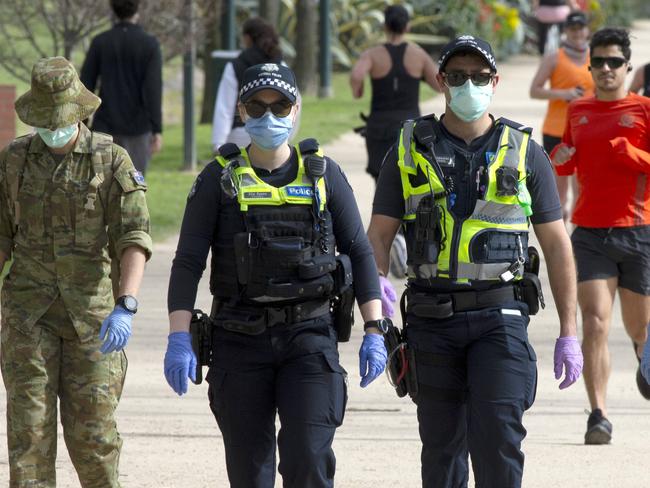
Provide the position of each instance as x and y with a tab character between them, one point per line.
57	97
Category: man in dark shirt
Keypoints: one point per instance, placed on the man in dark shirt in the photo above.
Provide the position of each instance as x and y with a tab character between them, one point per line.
128	64
466	188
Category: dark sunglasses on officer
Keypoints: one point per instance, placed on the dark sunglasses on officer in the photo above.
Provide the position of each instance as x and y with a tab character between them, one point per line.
613	62
256	108
458	78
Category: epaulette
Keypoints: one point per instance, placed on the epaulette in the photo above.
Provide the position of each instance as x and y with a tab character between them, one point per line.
514	125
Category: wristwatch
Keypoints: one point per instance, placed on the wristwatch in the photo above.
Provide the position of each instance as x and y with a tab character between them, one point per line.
381	324
128	302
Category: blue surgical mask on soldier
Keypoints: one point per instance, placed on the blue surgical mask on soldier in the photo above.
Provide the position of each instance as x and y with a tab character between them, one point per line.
58	137
469	101
269	131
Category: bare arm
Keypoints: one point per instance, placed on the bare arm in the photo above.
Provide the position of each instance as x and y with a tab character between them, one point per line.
131	270
558	253
381	233
179	321
638	80
538	89
430	71
360	70
371	310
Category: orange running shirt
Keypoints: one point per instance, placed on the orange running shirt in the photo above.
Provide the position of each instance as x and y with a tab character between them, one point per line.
565	75
611	162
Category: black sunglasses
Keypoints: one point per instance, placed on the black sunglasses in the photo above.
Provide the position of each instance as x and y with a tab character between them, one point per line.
458	78
614	62
257	109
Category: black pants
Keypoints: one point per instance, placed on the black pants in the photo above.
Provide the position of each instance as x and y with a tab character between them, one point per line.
477	374
295	371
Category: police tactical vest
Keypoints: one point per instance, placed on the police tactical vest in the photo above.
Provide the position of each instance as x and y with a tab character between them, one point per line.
489	244
273	245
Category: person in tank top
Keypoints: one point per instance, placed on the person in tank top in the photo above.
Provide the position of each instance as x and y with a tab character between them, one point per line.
396	69
641	81
562	77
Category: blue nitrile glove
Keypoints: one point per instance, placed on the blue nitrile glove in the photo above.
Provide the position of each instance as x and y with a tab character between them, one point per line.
116	330
372	358
180	361
388	296
645	361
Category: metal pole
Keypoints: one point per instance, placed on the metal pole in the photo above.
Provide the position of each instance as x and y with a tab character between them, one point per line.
189	136
229	31
325	51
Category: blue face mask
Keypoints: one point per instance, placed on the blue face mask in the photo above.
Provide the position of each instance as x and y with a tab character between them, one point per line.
269	132
57	138
469	101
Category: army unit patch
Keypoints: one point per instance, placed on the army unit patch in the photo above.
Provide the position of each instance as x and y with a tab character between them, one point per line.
138	177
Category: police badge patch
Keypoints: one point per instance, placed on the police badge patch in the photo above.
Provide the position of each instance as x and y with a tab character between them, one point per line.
138	177
195	187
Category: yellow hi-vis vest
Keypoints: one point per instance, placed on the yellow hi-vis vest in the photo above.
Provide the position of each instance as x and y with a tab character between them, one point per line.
251	190
491	212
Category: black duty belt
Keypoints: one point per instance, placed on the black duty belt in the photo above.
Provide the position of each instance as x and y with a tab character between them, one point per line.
254	320
444	305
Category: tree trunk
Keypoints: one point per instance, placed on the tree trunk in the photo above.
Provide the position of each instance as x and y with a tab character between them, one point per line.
211	41
270	11
305	42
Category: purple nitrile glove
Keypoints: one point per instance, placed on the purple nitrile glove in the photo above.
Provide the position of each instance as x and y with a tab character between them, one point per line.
180	361
115	330
568	356
645	360
388	297
372	358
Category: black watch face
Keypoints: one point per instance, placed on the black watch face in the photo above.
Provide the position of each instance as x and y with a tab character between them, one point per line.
130	303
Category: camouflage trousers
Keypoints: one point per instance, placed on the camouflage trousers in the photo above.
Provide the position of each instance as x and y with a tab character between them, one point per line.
48	363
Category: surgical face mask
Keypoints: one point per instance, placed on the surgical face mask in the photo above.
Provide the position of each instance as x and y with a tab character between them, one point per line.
268	131
57	138
469	101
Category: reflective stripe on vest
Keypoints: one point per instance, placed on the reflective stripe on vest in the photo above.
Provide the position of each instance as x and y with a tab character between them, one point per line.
253	191
492	213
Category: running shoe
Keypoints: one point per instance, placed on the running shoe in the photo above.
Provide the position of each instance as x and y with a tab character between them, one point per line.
599	429
398	257
641	383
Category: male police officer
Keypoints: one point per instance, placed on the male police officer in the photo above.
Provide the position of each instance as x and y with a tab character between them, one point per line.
465	188
65	194
274	215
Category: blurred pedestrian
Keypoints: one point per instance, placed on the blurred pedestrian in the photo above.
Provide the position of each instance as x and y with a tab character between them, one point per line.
549	13
72	205
396	69
641	81
261	45
606	144
126	62
563	76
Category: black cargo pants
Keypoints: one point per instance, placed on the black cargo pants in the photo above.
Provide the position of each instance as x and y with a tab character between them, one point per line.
477	374
292	370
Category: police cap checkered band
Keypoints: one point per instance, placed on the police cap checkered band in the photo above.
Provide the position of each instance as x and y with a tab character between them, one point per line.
469	44
268	76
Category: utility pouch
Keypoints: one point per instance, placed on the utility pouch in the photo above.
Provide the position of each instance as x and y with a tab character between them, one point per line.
244	322
532	264
318	287
318	266
398	364
241	244
531	292
201	334
427	241
431	307
343	299
507	181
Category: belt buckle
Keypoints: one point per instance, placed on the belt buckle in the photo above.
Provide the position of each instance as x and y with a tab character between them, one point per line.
275	316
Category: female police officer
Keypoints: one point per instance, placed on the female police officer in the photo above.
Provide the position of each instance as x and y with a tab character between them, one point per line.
273	216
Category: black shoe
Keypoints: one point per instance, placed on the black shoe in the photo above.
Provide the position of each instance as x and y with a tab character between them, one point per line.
641	383
599	429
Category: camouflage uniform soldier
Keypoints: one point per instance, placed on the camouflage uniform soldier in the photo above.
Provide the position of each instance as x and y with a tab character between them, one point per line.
67	196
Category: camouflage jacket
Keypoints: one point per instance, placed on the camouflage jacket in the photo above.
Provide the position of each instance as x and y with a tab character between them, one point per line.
68	215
